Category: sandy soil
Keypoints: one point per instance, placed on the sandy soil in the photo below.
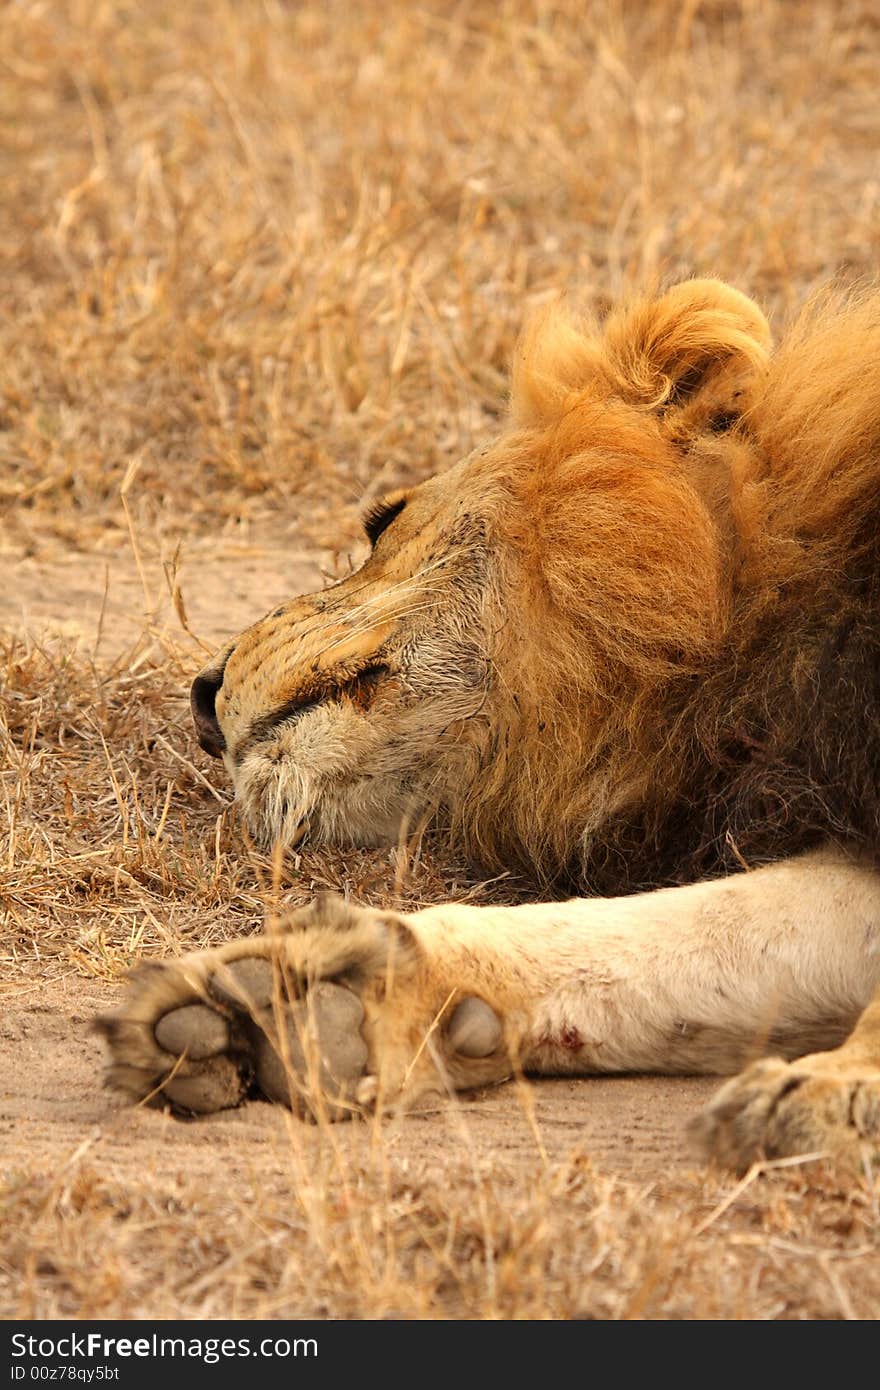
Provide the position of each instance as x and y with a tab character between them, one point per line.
52	1103
101	599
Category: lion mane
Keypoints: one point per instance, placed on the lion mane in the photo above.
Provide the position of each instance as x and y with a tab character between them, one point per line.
700	575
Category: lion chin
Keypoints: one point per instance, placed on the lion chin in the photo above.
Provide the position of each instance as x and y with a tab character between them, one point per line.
631	648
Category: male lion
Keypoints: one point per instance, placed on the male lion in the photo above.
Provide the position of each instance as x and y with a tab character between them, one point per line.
632	648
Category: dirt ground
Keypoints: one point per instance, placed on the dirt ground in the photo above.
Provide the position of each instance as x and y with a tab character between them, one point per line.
265	262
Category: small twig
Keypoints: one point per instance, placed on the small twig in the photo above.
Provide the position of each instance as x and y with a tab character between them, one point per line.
762	1166
191	767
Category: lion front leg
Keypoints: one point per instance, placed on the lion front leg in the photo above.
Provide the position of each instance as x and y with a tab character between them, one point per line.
343	1010
349	1008
824	1103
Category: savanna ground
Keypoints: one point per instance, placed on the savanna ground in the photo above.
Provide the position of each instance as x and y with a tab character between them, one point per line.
261	262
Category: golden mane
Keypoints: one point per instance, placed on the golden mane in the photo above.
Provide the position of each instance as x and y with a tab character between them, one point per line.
696	523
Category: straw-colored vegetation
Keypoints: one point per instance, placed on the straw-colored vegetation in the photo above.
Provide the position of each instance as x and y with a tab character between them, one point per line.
262	261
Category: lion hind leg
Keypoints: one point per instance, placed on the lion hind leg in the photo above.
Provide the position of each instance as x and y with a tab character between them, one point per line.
823	1103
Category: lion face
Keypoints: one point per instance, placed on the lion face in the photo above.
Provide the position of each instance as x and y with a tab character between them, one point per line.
491	658
348	714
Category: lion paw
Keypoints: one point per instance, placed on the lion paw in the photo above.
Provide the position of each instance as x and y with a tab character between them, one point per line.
278	1017
330	1016
777	1109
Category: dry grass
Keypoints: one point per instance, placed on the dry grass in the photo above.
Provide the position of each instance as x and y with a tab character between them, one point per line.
435	1240
263	261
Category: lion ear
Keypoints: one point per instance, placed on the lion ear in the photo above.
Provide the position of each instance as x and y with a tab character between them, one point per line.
700	346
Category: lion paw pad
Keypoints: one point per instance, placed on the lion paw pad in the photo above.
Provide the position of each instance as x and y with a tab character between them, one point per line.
207	1041
195	1029
320	1051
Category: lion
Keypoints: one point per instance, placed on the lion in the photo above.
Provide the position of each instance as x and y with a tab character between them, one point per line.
631	650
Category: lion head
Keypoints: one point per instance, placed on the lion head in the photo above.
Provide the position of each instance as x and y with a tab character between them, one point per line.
493	659
518	653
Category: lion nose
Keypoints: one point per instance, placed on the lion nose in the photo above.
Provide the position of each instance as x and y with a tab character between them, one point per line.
203	703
